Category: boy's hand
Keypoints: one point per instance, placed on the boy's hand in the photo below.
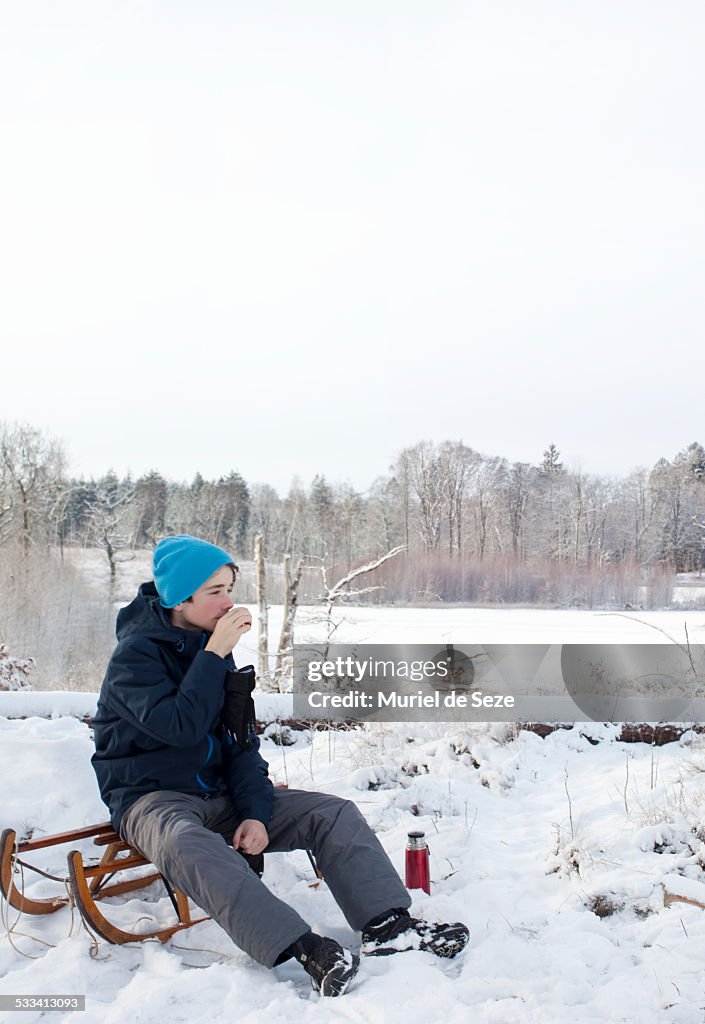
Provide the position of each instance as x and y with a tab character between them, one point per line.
250	836
228	630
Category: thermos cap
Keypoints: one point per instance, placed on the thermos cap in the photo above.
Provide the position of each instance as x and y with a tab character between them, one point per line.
416	841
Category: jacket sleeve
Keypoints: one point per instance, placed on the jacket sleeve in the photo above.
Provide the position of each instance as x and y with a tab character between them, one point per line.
142	693
248	779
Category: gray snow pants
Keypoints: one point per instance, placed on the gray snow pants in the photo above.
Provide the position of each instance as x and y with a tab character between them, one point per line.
187	839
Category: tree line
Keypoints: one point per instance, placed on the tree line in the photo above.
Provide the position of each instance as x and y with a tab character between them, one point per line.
474	527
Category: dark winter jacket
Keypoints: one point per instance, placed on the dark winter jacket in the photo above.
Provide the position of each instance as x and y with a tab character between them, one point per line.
158	724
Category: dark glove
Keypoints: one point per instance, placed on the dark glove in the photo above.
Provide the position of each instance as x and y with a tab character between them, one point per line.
255	860
238	706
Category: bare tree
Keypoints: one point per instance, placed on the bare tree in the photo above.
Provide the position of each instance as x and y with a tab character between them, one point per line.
486	477
263	614
551	526
109	513
421	467
265	515
342	589
31	475
517	489
283	666
455	462
598	504
681	506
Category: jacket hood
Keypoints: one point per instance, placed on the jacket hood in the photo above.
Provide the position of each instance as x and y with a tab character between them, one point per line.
144	616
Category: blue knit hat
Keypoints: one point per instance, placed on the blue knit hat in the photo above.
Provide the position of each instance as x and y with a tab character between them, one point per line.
182	564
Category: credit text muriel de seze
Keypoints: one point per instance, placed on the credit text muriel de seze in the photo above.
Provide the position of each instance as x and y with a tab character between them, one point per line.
452	699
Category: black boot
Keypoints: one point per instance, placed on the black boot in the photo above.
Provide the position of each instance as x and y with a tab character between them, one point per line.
331	967
396	932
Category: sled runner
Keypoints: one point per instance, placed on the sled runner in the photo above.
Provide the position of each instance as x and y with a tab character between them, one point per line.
88	883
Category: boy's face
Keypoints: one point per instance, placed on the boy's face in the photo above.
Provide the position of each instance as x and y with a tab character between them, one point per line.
208	604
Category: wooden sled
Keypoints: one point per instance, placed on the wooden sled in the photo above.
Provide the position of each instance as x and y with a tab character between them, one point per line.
88	884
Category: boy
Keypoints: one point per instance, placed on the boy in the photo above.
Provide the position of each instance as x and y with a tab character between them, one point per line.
178	765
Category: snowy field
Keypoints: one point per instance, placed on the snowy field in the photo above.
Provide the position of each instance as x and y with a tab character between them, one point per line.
554	851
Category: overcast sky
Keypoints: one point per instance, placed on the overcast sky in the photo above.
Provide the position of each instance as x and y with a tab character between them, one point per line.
288	238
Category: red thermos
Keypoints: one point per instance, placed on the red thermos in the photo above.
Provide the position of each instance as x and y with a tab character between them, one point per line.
418	874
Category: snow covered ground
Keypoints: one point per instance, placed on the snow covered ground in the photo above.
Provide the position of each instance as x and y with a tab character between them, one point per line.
531	840
554	851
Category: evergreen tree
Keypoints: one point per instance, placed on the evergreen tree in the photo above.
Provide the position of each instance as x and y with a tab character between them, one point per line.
551	460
